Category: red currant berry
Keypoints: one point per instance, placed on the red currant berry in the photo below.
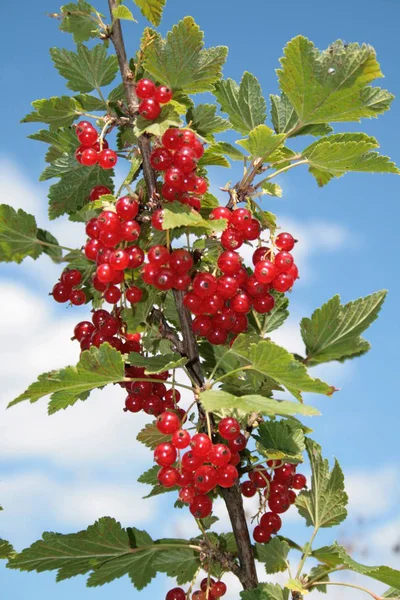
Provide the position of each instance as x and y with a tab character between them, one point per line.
227	476
265	271
283	261
231	239
217	337
165	454
71	277
187	494
98	285
261	253
218	589
202	325
204	285
189	182
181	439
201	444
198	148
99	147
229	262
136	256
134	294
168	422
190	462
89	157
105	273
108	221
112	294
173	395
182	282
282	282
133	403
119	260
172	139
159	389
193	302
92	229
88	137
235	459
149	273
181	261
78	297
264	304
188	137
293	272
157	219
240	218
158	255
145	88
248	489
110	238
83	329
61	292
149	109
174	177
271	522
226	319
82	125
254	288
229	428
220	455
299	481
241	303
168	476
241	324
200	506
200	186
98	339
127	207
205	583
100	317
152	405
285	241
185	159
185	478
238	444
260	477
252	230
109	327
163	94
164	280
261	535
176	594
161	159
98	191
130	231
205	479
227	286
292	496
171	193
278	504
107	159
220	212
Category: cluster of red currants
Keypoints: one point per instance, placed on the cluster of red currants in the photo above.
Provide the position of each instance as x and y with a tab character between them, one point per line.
204	467
279	483
151	97
91	150
152	397
209	590
220	303
106	327
177	158
67	289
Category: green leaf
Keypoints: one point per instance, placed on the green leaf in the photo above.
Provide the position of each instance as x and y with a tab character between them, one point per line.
391	593
151	9
228	150
333	331
181	62
77	18
87	69
319	573
137	317
245	104
336	555
213	158
56	111
53	249
123	12
179	563
296	586
278	315
76	181
324	505
214	400
271	189
151	437
96	368
261	142
107	552
61	141
6	549
168	117
273	555
276	362
157	364
343	152
204	120
19	235
265	591
150	478
280	440
179	215
285	119
332	85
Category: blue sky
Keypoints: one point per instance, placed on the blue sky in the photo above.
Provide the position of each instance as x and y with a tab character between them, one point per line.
60	473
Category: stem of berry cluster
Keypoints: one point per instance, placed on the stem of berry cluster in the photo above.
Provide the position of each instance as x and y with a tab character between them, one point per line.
233	499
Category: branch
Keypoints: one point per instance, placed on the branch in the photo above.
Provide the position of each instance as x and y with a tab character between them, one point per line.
233	499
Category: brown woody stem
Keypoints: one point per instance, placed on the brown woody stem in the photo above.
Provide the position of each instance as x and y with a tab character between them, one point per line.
233	499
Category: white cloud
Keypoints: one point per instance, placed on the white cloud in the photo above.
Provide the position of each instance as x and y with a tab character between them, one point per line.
373	492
